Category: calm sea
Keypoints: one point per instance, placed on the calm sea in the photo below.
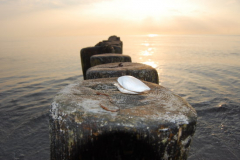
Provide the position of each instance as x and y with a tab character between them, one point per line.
205	70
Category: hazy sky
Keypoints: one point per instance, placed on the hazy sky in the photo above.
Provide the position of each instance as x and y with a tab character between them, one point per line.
120	17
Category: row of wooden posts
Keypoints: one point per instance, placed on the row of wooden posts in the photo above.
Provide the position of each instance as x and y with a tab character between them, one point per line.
91	119
110	53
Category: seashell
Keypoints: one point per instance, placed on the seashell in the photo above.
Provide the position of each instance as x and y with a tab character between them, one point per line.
131	85
123	90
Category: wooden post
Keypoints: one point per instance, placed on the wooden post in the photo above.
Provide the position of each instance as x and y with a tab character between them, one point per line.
91	119
138	70
108	58
112	45
113	41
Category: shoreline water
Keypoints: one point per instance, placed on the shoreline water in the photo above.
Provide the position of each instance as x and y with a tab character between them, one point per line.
203	70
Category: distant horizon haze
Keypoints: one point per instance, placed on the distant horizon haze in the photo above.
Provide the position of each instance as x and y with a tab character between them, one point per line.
24	18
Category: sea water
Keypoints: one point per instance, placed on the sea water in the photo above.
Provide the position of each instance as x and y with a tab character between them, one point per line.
205	70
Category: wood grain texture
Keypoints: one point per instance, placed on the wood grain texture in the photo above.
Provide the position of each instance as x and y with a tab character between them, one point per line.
108	58
138	70
156	125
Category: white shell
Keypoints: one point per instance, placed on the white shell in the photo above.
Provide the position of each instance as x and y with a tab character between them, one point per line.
131	85
123	90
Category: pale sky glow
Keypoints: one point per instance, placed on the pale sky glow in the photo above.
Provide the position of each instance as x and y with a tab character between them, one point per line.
120	17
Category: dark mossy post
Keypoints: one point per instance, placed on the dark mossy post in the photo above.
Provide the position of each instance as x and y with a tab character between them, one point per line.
113	41
91	119
138	70
108	58
112	45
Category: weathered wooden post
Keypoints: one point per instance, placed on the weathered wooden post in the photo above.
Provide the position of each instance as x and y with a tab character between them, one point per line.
108	58
112	45
138	70
113	41
91	119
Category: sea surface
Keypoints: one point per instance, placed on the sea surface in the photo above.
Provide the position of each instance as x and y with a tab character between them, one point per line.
205	70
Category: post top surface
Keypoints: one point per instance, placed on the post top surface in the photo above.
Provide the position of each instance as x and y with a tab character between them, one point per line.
159	104
110	55
124	66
